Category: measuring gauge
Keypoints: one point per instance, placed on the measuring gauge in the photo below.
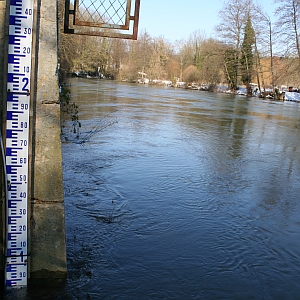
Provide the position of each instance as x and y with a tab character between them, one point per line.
17	140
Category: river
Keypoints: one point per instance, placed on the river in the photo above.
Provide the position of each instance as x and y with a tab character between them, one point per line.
180	194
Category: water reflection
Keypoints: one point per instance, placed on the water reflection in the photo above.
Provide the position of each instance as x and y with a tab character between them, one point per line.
184	195
202	191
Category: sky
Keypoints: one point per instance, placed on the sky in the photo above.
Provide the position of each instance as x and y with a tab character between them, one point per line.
178	19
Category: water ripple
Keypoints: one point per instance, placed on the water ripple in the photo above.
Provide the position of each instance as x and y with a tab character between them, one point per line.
189	195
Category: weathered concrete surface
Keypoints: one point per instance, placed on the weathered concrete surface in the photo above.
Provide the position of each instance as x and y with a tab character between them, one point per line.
48	245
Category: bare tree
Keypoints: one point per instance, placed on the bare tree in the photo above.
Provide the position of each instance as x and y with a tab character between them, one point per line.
233	18
118	54
211	62
288	25
191	74
187	54
173	68
138	56
159	57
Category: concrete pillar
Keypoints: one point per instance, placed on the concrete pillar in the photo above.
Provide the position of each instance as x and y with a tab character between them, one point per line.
47	217
48	244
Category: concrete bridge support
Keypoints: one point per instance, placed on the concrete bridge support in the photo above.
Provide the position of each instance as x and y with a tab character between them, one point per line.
47	217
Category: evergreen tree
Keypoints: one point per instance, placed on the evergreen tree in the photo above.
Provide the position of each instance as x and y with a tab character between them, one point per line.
231	67
247	55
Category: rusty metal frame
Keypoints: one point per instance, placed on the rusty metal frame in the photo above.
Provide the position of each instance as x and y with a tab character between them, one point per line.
73	24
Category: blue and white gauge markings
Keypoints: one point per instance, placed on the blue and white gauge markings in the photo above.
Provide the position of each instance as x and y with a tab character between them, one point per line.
17	141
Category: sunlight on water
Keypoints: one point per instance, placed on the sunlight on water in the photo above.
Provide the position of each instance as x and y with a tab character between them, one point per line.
184	195
179	194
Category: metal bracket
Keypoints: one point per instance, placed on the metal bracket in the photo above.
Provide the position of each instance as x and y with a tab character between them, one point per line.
105	18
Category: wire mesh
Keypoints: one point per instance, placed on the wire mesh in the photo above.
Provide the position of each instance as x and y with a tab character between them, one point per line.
105	13
84	16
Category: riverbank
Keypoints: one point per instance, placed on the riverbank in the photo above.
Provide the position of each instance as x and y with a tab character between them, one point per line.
279	94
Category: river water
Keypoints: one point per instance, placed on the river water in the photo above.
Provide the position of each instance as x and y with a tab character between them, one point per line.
180	194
